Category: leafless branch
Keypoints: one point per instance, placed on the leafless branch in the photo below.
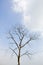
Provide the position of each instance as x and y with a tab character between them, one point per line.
26	43
31	38
15	48
17	34
13	39
26	53
20	30
14	51
21	41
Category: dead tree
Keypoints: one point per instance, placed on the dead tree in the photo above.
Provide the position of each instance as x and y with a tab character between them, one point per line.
20	37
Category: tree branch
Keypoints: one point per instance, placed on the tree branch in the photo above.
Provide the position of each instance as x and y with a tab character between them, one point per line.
15	48
13	39
21	41
17	34
26	43
14	51
26	53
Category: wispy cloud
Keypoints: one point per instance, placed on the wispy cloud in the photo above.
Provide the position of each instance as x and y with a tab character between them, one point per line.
36	59
7	59
19	5
32	11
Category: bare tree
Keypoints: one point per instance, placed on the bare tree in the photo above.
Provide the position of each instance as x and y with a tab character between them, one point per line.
20	37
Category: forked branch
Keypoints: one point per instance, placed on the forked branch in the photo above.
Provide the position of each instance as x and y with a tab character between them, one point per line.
26	53
26	43
14	52
13	39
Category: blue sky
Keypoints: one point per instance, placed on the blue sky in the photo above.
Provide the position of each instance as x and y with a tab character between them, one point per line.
8	18
27	12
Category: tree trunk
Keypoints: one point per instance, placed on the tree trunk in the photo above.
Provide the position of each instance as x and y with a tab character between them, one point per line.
19	58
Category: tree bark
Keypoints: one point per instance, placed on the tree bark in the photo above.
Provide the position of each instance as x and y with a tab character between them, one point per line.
19	58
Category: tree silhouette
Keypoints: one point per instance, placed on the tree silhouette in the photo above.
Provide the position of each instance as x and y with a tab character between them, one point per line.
20	38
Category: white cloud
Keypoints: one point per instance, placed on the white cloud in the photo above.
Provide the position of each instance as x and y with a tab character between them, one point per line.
6	59
36	59
32	11
19	5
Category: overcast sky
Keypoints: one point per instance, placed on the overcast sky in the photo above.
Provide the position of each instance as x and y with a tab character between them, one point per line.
29	13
